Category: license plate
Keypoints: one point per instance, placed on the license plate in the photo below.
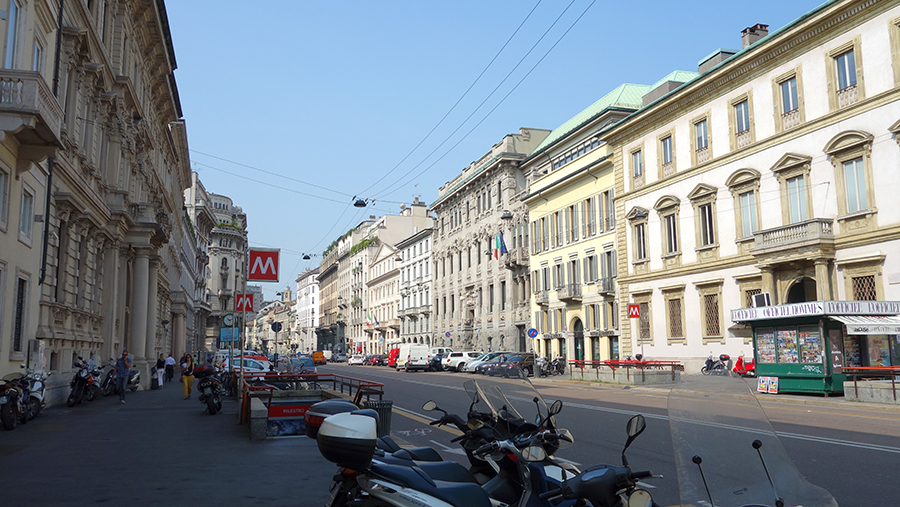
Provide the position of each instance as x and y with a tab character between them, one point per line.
335	488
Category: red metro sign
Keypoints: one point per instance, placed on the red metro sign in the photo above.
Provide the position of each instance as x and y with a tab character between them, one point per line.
264	265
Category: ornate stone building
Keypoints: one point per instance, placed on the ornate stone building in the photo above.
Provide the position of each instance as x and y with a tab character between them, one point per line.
481	298
198	212
227	260
98	151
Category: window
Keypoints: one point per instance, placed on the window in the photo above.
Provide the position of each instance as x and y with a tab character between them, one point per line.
37	63
645	333
667	150
666	155
855	181
4	198
844	70
640	242
502	296
748	223
864	288
707	236
700	139
742	116
711	311
637	168
26	219
789	101
11	34
788	92
797	199
668	209
674	314
671	233
20	317
702	136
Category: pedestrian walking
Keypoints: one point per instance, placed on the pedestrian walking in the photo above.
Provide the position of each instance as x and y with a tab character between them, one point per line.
187	376
183	364
123	364
170	368
160	371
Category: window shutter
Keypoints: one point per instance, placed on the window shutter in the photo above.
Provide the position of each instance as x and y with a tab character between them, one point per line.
586	270
600	205
537	321
587	316
584	220
604	272
594	272
562	327
613	267
568	226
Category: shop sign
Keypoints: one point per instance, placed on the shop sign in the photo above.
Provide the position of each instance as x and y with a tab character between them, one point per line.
817	308
837	354
872	329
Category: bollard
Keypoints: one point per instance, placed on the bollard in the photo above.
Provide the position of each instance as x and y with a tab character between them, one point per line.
383	409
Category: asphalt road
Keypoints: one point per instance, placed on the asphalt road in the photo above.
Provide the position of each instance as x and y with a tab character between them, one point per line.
850	449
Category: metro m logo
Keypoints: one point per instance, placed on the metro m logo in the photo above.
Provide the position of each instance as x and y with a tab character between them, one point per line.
264	265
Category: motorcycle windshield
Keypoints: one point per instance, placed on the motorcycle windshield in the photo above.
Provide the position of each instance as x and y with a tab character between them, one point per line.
718	420
514	393
11	377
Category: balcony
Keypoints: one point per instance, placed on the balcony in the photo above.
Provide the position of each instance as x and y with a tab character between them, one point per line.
790	119
542	297
570	292
606	285
802	237
394	323
517	257
30	113
848	96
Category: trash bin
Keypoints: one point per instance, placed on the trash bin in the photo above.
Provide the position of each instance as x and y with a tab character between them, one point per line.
383	409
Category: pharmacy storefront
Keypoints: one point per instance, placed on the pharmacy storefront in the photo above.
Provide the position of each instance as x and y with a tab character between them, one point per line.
806	345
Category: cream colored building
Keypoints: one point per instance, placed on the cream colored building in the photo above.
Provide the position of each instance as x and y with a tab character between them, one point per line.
201	221
101	271
416	316
383	314
481	301
307	310
772	171
573	245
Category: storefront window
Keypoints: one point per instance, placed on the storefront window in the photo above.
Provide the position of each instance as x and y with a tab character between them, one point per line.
787	345
852	356
765	345
810	344
879	350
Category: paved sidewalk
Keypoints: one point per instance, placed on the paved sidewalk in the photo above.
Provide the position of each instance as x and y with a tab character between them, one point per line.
156	449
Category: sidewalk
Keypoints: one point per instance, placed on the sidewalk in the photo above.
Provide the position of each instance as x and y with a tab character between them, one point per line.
156	449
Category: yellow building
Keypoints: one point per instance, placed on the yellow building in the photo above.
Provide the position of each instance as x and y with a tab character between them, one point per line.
573	244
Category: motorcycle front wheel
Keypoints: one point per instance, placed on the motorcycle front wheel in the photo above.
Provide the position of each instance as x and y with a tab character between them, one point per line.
34	408
211	405
75	397
8	416
90	394
108	389
704	370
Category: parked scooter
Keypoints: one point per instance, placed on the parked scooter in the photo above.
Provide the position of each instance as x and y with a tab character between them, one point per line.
558	366
743	368
210	388
108	384
543	366
92	386
716	366
37	385
13	399
78	383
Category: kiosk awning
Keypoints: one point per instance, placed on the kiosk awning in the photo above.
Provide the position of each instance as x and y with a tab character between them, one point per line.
870	324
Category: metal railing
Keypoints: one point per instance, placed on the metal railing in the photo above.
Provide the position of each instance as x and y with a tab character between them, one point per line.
630	367
871	373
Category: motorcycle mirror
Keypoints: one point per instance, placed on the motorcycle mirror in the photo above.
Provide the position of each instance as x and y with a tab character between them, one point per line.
640	498
474	424
534	453
565	438
22	365
556	407
635	426
429	406
80	358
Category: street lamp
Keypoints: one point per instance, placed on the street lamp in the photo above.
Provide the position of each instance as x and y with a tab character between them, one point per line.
506	215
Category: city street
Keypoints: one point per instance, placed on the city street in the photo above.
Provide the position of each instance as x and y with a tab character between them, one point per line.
835	444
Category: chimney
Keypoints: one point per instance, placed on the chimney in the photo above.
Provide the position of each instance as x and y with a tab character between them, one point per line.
753	33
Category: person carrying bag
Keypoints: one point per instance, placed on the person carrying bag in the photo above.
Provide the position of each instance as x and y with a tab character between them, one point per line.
187	376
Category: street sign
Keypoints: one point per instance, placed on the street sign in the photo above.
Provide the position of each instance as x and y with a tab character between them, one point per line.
532	333
243	302
276	326
634	311
264	265
447	334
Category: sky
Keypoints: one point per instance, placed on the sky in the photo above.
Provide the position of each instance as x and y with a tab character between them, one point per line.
294	108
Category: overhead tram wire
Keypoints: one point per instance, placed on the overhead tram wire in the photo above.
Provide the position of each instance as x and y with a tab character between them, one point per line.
452	108
389	192
268	184
269	172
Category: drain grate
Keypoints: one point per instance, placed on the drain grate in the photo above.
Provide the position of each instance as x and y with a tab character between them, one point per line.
10	449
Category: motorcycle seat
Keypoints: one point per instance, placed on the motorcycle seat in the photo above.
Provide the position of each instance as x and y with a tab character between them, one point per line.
419	454
455	494
388	444
448	471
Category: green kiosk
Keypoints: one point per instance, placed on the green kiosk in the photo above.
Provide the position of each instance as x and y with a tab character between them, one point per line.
806	345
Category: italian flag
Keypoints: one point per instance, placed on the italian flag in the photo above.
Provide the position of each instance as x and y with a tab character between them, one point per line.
368	320
499	246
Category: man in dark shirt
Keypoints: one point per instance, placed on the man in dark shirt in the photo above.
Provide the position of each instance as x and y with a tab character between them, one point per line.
123	364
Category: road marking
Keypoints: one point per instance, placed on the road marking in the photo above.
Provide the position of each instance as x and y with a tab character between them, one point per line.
422	419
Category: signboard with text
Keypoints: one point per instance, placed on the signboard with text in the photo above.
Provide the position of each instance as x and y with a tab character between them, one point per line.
815	308
264	265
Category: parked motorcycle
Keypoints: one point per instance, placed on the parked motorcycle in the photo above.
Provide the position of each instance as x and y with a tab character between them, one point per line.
542	366
743	368
78	383
558	366
36	387
730	461
13	399
92	383
716	366
108	384
210	388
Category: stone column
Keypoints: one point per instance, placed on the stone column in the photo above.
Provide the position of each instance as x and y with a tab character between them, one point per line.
823	280
768	283
152	310
178	334
139	305
112	299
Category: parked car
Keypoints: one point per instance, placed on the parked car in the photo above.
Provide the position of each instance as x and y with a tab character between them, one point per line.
473	364
436	363
486	367
454	361
300	364
523	360
356	359
392	357
252	366
340	358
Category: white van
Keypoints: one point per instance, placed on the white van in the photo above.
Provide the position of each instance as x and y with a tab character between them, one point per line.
413	356
440	350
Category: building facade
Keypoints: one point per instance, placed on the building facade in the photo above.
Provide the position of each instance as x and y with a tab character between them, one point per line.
416	317
307	310
573	222
228	262
383	314
103	162
770	169
481	296
201	222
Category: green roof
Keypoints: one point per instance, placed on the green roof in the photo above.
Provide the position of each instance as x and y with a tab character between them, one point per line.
625	95
679	76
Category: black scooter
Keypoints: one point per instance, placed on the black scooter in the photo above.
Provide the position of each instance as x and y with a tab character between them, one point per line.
78	383
210	388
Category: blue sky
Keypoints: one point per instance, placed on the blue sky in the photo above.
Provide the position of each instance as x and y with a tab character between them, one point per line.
328	97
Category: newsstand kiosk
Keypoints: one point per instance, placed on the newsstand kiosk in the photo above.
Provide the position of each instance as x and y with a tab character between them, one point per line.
806	345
